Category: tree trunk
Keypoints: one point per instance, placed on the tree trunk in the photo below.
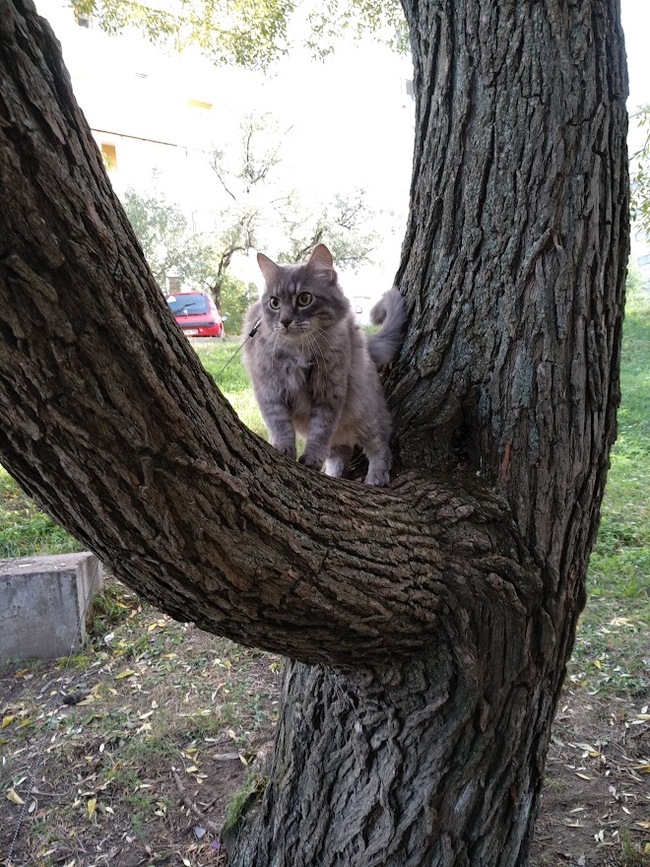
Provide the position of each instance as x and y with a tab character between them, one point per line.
432	621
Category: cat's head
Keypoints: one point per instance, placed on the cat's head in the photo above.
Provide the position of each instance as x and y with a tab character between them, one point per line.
302	298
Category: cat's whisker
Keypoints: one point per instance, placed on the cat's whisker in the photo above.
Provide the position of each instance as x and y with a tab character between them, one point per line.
314	343
333	342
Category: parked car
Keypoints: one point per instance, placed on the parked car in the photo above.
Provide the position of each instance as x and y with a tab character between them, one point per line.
197	314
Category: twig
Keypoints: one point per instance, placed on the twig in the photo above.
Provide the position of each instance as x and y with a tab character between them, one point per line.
191	806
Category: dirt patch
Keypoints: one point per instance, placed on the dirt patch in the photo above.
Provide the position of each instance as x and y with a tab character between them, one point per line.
596	802
163	740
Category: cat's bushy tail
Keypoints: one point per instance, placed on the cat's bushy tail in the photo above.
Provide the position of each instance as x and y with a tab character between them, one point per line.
390	312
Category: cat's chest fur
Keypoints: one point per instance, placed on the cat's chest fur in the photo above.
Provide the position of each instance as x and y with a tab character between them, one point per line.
292	373
305	372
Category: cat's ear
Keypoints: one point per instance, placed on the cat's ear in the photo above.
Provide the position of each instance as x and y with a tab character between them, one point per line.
269	269
321	263
321	257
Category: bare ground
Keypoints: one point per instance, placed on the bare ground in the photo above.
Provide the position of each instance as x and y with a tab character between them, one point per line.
152	739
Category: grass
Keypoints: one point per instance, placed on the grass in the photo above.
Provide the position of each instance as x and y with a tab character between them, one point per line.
24	530
227	370
158	701
612	653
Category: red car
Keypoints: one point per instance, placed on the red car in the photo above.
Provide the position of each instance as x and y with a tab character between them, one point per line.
197	314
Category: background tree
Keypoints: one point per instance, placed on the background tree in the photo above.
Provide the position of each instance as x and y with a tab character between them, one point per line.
262	211
198	260
428	625
256	211
342	224
236	298
641	176
167	242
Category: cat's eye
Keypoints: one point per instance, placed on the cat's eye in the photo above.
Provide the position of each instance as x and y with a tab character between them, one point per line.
304	299
274	303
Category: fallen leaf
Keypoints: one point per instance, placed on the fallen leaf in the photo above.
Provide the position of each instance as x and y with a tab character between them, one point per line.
14	797
128	673
7	720
91	805
621	621
644	825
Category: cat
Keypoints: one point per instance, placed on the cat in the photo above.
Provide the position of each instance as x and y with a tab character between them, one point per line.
314	371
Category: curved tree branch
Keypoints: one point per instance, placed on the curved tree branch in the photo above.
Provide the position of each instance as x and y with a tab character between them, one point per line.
113	399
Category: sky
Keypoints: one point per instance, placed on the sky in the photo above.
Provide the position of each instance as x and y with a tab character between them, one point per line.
635	15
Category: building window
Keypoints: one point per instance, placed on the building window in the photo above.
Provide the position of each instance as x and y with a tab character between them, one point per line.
109	155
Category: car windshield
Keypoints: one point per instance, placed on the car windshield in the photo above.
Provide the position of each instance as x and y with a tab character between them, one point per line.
188	304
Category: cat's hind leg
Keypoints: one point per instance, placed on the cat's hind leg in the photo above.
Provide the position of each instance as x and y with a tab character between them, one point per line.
338	461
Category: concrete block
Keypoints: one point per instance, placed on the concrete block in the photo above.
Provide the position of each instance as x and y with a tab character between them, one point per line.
42	602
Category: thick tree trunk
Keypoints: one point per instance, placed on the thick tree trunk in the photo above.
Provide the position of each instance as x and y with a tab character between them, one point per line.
431	761
432	620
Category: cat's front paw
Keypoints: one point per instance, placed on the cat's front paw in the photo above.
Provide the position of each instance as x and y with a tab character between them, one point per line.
311	462
377	478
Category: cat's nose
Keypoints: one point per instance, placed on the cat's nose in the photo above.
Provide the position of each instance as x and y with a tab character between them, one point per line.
285	322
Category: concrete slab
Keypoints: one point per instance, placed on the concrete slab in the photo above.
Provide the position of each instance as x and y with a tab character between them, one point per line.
42	602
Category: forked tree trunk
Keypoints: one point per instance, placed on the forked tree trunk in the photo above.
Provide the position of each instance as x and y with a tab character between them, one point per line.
433	620
514	261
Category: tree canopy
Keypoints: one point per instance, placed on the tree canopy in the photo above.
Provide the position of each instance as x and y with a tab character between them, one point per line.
252	33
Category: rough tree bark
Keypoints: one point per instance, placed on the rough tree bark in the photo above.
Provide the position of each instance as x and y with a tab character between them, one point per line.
429	624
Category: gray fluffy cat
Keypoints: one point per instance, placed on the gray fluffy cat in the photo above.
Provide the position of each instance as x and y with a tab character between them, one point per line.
314	372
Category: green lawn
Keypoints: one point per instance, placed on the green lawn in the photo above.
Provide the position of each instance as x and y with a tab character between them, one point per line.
613	650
